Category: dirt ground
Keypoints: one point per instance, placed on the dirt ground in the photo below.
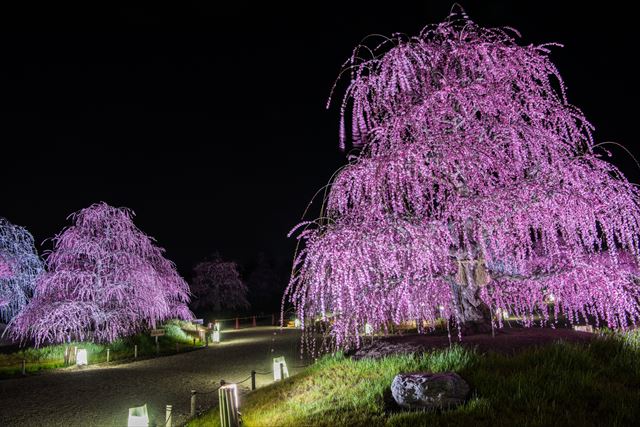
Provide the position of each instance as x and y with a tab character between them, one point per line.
506	340
101	395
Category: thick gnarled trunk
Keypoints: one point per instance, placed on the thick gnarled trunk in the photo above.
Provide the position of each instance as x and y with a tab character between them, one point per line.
473	315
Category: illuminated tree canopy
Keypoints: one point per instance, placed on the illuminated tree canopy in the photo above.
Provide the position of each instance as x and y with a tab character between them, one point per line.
106	279
474	186
20	265
217	286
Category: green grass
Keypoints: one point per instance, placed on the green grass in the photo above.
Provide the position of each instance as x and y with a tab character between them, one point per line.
558	384
51	357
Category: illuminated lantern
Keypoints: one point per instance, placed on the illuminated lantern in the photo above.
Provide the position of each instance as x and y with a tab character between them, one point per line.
138	417
502	312
81	357
228	398
368	329
297	323
280	370
215	335
550	299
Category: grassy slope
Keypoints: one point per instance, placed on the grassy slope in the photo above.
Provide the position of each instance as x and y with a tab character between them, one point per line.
559	384
51	357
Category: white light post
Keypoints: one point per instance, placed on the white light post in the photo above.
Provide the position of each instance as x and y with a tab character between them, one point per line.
228	402
368	329
81	357
215	336
280	370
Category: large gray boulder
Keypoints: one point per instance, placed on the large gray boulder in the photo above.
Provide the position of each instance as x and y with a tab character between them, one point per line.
429	391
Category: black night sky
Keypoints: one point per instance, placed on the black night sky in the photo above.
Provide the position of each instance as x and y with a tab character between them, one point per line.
210	123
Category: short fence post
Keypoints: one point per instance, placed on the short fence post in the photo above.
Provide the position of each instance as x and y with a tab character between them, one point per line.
206	340
157	346
254	321
193	403
108	355
75	354
281	371
194	342
24	367
253	379
237	323
66	355
168	417
135	351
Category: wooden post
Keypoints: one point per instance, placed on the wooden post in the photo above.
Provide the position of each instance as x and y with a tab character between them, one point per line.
206	339
281	371
193	403
75	353
135	351
24	367
194	342
237	323
107	355
253	379
157	346
254	321
168	417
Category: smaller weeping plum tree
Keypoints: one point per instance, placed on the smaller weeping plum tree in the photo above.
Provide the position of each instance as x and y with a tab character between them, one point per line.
106	279
20	265
217	286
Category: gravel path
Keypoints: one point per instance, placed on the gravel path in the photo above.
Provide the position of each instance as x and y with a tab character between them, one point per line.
101	395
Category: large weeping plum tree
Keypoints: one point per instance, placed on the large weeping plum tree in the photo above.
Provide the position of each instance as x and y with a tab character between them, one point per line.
106	279
20	265
217	285
475	187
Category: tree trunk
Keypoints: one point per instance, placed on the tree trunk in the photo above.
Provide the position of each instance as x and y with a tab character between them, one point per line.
473	315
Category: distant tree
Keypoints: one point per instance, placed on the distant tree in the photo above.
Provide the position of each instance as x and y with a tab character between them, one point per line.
265	284
20	265
106	279
217	286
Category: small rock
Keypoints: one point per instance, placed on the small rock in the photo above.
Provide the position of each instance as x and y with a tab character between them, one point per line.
429	391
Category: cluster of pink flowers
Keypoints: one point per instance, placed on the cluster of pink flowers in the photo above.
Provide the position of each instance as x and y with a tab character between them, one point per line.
105	279
467	153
